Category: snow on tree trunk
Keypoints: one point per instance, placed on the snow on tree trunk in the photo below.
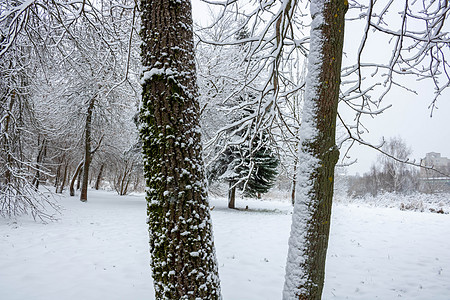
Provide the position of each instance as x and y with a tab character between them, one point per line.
183	258
305	269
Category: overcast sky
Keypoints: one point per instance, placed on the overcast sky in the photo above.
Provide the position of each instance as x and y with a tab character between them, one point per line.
408	118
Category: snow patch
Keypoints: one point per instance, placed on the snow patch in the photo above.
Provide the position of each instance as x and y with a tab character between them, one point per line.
374	253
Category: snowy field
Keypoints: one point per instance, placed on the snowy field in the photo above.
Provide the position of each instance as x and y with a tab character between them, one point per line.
99	250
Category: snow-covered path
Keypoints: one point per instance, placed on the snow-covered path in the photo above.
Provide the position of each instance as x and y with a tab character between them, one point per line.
99	250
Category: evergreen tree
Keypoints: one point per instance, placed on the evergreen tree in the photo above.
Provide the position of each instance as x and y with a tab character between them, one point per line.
263	169
247	163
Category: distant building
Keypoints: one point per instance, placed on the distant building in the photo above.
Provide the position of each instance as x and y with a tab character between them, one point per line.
435	160
433	181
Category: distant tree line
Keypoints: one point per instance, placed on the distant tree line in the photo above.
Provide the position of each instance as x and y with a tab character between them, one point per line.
391	176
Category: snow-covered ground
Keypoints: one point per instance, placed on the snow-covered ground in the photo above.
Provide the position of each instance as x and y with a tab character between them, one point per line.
99	250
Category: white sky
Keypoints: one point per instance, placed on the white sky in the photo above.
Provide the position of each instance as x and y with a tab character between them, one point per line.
408	118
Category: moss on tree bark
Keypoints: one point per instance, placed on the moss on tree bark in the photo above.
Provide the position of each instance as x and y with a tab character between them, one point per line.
181	243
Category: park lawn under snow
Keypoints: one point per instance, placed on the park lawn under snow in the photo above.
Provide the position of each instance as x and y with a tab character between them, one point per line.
99	250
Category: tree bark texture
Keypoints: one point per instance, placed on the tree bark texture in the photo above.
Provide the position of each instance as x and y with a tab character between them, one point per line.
318	154
182	251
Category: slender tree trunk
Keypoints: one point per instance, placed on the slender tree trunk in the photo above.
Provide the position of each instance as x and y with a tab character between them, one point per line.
125	188
294	174
58	175
182	251
294	184
99	177
136	181
305	270
124	180
232	195
75	175
87	150
6	141
63	182
39	159
79	178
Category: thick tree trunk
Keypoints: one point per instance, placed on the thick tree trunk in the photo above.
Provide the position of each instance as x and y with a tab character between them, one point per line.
87	150
232	195
183	258
308	242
